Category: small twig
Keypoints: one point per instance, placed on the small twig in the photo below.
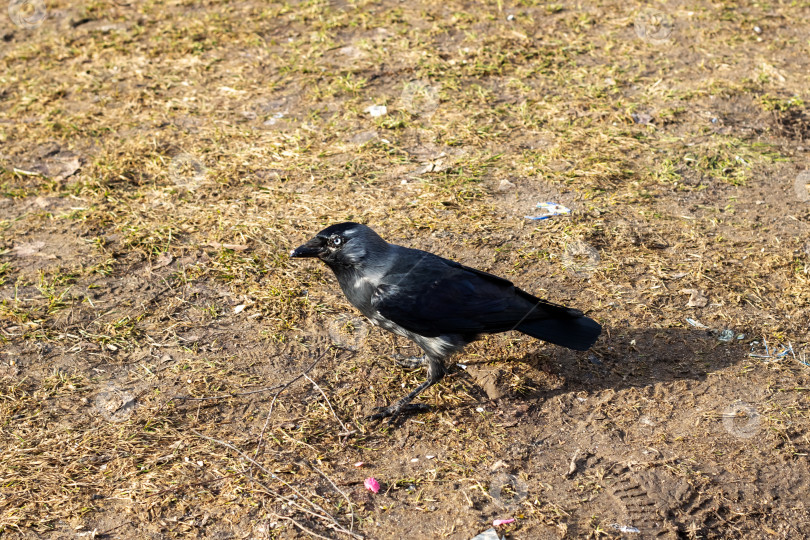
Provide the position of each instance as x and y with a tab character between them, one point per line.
345	497
289	501
261	468
23	172
257	453
308	531
279	387
108	531
202	483
332	522
225	396
345	429
222	396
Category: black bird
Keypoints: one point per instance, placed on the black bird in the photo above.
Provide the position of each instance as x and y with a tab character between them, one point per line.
439	304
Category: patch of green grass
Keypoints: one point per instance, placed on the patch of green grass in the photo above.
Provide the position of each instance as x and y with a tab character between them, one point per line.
774	103
5	272
730	160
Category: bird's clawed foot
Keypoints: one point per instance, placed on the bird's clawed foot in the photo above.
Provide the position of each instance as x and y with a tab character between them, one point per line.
410	362
393	411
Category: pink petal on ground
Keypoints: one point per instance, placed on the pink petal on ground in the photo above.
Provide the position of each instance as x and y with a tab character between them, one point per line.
502	522
372	484
359	464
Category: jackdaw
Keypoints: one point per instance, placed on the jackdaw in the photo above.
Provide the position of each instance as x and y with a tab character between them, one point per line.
439	304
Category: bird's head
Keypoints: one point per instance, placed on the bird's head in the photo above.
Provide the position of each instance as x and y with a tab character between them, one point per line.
344	244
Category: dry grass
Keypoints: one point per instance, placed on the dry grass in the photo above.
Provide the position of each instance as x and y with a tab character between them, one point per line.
210	138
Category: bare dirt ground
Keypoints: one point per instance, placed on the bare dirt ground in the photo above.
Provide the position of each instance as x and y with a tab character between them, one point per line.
160	159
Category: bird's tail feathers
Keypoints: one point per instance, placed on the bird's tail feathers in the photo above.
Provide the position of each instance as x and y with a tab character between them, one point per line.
577	333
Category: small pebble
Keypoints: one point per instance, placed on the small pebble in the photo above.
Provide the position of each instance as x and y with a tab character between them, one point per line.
377	110
726	335
505	185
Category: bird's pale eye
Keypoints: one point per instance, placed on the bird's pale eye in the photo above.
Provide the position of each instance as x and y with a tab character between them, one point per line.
335	241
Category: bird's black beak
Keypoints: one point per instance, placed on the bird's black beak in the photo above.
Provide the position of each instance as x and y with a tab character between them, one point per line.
313	248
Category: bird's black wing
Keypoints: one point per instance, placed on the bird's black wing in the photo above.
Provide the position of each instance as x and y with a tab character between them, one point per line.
432	296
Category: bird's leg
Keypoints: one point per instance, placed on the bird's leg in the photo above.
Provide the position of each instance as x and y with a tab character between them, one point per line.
435	373
410	362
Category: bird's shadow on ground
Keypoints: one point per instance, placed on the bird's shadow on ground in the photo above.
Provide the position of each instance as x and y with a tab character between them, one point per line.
629	358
